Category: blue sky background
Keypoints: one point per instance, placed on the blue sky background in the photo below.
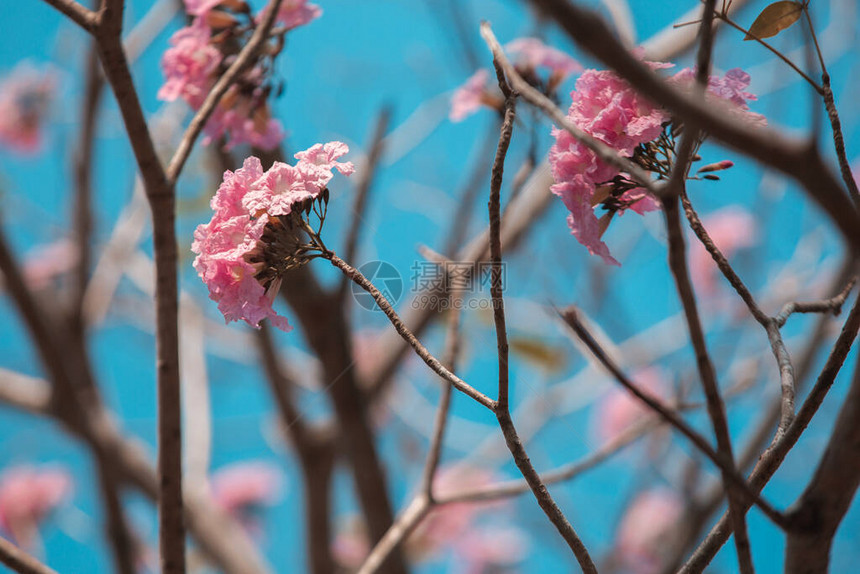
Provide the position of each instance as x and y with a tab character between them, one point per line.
340	71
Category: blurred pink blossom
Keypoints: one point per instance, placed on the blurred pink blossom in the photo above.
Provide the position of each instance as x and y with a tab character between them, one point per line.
242	487
189	64
200	7
191	67
445	525
488	549
295	13
44	263
619	410
533	54
25	95
27	495
732	228
729	90
640	542
468	98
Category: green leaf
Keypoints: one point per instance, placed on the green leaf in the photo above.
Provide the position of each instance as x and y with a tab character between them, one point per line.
774	19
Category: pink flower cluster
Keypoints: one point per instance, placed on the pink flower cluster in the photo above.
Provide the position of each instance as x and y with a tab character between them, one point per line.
606	107
728	91
200	52
532	55
232	250
27	496
24	98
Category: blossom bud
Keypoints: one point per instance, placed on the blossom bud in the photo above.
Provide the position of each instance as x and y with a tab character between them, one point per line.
719	166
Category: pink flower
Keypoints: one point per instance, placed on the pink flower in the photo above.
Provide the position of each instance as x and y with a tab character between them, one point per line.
223	248
535	54
200	7
619	410
244	486
47	262
27	496
189	64
351	545
447	524
295	13
640	542
469	97
245	248
243	489
731	228
606	107
245	120
25	95
490	549
730	89
317	162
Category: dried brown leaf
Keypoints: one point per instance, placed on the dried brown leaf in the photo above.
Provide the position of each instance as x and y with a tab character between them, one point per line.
774	19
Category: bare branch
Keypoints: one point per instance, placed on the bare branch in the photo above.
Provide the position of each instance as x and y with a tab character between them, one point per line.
20	561
770	461
571	317
502	406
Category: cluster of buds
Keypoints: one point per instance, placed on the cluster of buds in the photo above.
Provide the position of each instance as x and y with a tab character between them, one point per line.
543	67
261	229
201	52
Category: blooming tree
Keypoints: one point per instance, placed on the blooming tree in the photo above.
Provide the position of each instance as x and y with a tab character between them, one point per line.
622	357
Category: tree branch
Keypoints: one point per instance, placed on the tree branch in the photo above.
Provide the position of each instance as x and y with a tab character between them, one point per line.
20	561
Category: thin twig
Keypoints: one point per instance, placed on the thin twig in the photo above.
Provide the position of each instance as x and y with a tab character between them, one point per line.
773	50
432	362
440	425
771	325
502	406
402	527
425	500
832	305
